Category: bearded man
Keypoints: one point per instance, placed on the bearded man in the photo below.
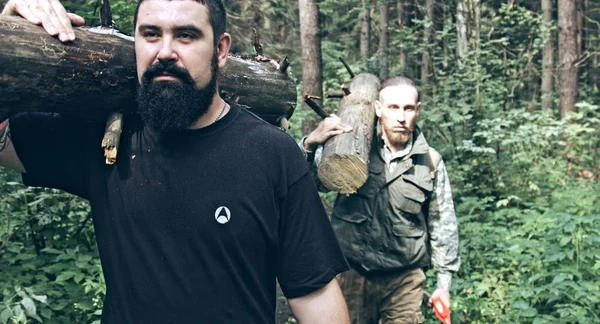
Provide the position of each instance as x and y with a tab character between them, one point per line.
400	221
208	205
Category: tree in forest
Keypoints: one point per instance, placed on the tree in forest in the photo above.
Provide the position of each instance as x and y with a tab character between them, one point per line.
400	20
468	26
383	40
428	33
567	52
312	75
461	29
365	31
547	57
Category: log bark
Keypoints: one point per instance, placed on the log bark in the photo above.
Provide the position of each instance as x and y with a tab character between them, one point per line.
344	166
96	75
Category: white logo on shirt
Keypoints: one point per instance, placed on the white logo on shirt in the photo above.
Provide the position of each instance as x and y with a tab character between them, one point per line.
222	215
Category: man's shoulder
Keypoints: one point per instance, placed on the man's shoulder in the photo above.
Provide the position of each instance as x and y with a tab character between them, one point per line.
45	122
256	127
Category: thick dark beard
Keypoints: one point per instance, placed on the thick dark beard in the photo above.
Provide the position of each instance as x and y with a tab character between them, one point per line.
166	106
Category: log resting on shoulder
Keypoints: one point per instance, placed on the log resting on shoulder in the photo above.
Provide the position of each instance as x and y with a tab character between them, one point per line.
345	163
96	75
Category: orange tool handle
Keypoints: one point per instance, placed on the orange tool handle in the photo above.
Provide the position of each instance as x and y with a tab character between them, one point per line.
441	311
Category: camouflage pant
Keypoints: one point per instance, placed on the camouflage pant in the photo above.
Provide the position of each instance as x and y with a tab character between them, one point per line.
384	298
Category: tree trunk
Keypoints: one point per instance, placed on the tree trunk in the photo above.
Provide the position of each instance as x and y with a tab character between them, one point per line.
580	31
344	166
547	58
462	43
96	75
383	40
365	31
400	20
567	52
312	76
427	38
475	23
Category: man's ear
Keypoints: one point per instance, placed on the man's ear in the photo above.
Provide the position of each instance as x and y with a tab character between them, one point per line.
223	47
418	108
378	108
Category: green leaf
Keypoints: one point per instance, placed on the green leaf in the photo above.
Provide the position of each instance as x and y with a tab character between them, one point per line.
558	279
46	313
564	241
29	306
51	251
41	299
82	264
5	316
529	312
78	277
18	311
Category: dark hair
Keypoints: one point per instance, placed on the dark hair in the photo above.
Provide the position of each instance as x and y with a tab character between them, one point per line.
216	16
400	81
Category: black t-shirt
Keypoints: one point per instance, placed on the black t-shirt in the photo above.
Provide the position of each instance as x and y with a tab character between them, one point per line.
194	226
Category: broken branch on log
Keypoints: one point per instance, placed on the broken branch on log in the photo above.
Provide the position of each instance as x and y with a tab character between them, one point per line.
114	124
284	64
256	42
347	67
314	106
345	90
335	94
112	136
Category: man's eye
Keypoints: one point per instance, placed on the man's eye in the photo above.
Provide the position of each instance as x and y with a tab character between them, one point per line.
186	36
150	34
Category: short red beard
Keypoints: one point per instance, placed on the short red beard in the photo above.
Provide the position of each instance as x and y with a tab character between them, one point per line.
397	139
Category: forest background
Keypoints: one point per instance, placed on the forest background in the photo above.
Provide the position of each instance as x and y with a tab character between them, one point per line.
510	98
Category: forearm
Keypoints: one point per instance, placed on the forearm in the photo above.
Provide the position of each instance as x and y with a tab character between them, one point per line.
443	230
8	155
313	158
324	306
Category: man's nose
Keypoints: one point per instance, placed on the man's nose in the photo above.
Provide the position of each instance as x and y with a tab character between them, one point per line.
167	54
400	115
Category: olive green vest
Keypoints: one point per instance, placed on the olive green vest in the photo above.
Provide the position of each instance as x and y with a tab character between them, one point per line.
382	227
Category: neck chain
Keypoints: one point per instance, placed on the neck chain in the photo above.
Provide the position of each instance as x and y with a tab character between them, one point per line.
221	113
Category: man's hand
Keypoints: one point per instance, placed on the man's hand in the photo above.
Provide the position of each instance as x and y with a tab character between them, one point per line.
330	126
49	13
443	296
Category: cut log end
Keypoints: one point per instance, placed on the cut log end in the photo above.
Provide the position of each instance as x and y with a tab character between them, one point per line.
343	173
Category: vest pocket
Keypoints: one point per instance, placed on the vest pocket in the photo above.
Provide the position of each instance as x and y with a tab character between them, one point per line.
352	218
407	231
406	197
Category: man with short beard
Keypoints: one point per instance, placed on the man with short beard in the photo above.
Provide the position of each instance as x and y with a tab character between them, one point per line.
400	221
207	206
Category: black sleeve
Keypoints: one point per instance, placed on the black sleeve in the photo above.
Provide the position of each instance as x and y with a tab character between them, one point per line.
309	253
53	149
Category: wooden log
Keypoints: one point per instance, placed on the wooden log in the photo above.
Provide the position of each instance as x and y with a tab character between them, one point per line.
345	163
96	75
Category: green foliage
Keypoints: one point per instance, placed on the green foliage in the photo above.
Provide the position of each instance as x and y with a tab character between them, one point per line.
49	253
